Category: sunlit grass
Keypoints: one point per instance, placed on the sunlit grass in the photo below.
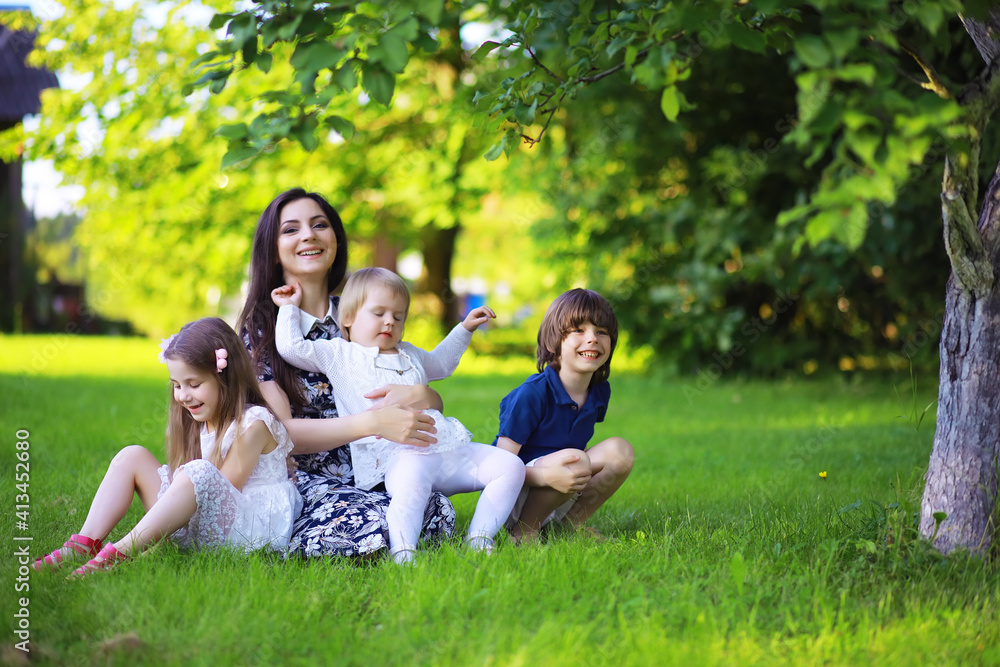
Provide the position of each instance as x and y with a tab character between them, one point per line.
727	546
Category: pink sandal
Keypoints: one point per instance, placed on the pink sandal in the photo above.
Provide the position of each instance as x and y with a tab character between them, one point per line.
74	550
105	560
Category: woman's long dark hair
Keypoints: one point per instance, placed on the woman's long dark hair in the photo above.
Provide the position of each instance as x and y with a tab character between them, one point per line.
259	312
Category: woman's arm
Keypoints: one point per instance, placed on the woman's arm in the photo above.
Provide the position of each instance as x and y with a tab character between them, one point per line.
404	425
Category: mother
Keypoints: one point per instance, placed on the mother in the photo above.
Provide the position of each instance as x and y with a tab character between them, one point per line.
301	238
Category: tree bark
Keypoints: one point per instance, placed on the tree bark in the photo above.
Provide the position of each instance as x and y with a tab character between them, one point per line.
962	474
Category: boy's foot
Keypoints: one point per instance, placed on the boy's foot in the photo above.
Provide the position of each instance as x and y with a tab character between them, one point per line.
523	538
593	534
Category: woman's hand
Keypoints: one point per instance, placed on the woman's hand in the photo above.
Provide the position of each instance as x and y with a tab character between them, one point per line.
418	396
287	295
403	425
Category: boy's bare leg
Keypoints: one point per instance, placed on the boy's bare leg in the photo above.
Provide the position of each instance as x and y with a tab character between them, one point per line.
543	500
611	462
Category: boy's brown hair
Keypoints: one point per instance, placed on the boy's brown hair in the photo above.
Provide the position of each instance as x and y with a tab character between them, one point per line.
567	312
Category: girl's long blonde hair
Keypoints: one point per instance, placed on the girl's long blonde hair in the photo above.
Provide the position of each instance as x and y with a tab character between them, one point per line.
195	345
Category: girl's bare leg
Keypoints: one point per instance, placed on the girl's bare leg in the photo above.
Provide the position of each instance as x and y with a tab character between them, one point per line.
170	513
133	470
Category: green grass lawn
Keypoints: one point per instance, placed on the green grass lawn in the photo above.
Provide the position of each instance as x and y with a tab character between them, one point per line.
728	546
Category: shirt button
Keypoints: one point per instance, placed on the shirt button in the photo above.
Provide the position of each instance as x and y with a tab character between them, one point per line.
576	407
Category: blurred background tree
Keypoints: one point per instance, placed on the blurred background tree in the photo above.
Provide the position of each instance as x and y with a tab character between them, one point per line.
671	142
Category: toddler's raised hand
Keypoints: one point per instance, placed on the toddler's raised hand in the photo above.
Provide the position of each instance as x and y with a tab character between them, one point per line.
287	294
478	317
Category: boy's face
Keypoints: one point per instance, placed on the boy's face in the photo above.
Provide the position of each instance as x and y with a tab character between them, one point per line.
584	349
379	322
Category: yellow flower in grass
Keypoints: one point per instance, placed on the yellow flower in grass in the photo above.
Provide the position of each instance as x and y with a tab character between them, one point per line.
823	474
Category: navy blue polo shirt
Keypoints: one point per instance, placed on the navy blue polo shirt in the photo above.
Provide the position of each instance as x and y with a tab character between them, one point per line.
542	418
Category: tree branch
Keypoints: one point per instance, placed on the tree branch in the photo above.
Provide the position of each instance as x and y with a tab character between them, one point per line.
984	35
534	140
933	82
962	239
539	63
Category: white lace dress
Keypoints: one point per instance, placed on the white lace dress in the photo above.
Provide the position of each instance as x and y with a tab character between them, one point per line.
355	370
259	516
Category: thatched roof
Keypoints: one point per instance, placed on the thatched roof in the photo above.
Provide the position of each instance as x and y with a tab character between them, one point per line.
20	85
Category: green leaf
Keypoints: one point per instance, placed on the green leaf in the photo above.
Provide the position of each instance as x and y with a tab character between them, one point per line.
747	38
484	50
219	20
316	55
250	51
856	225
407	29
670	103
237	152
341	126
842	41
524	114
377	82
263	61
346	77
497	149
622	40
793	214
512	140
430	9
812	51
233	131
305	133
825	225
861	72
391	52
931	16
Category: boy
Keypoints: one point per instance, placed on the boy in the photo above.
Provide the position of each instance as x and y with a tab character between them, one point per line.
549	420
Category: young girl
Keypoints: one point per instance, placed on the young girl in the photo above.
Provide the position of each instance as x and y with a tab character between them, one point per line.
226	481
549	420
373	309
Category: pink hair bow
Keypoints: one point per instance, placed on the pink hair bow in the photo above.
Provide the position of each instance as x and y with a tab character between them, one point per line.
221	356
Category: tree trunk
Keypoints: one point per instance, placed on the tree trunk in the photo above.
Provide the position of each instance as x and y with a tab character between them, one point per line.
438	246
962	475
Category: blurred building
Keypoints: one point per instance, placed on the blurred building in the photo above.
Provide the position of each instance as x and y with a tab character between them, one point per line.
20	90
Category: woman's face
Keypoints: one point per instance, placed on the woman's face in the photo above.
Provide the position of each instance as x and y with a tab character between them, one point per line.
307	244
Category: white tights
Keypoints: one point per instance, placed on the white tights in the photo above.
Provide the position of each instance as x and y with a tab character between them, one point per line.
411	477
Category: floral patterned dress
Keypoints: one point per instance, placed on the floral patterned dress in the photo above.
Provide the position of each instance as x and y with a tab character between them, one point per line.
338	519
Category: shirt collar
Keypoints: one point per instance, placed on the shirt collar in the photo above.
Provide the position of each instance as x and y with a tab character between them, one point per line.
306	321
555	382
